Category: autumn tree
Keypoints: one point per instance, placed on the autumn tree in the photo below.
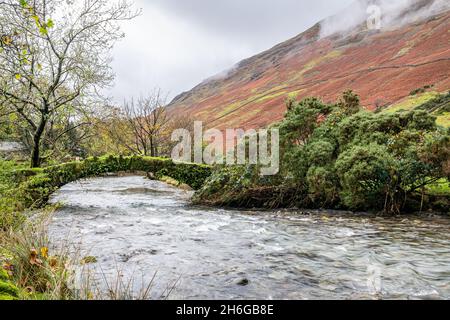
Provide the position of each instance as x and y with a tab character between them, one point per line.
145	119
55	56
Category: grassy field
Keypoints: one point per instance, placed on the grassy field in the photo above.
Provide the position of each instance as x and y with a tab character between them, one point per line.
444	120
411	102
436	103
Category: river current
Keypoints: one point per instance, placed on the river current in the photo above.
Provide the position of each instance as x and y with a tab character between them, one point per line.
148	230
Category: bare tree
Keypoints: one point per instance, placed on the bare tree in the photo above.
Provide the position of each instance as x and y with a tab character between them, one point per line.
54	54
146	119
176	121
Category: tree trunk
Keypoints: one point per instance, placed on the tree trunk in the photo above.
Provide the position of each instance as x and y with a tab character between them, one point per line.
35	157
152	148
36	152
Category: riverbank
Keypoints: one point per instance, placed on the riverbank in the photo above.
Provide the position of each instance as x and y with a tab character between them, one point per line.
242	187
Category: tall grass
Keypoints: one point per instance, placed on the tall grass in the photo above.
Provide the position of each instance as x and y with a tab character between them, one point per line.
39	272
119	287
44	271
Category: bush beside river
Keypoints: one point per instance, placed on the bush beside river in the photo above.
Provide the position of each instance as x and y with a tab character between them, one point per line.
340	156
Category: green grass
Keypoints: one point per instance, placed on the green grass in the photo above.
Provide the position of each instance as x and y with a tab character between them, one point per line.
8	166
8	200
230	108
436	103
271	96
258	98
444	120
411	102
317	61
440	188
294	94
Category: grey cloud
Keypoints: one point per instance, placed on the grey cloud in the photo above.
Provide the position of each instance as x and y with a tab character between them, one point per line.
176	44
252	20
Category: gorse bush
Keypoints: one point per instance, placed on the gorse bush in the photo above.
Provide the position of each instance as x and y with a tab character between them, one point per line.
340	156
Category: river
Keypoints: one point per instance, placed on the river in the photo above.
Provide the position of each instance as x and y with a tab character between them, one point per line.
149	229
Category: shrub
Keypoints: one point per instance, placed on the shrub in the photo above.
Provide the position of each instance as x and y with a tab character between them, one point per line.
365	175
340	156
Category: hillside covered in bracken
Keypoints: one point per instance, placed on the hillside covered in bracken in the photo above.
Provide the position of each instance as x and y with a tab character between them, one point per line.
410	54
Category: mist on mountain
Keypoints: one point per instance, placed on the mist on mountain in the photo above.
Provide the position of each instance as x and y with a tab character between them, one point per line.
393	14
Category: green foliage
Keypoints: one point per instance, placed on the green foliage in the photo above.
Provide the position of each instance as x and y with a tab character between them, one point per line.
340	156
349	103
301	120
421	90
322	186
8	291
365	174
238	186
31	188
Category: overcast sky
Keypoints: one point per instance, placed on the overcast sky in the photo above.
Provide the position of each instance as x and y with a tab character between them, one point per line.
175	44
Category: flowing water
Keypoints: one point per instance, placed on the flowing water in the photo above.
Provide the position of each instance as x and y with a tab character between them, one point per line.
145	227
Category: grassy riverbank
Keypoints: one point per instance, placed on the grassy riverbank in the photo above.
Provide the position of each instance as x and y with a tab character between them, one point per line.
29	270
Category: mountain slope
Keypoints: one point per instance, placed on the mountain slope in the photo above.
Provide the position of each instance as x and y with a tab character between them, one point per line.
382	67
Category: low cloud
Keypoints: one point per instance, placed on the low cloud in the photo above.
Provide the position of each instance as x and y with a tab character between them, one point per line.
394	14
